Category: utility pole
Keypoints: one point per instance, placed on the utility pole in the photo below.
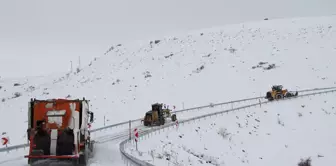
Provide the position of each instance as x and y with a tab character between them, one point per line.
130	130
71	66
79	62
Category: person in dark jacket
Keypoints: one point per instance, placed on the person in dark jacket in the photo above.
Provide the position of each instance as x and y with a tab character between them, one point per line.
42	139
65	142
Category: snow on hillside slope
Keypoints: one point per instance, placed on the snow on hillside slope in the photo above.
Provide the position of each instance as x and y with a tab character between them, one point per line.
14	87
214	65
278	134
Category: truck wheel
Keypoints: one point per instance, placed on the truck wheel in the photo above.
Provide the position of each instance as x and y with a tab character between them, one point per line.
278	96
173	117
31	161
268	95
288	94
83	159
162	121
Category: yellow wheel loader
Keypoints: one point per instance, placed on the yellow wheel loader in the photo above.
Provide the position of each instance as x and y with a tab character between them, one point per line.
278	92
157	116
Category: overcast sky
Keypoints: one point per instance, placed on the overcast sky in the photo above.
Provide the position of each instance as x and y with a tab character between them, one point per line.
42	36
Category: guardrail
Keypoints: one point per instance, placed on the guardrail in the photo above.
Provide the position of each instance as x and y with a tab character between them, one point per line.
14	147
20	146
144	133
130	157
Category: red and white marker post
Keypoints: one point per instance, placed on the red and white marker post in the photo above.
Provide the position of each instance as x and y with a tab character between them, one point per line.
4	140
136	134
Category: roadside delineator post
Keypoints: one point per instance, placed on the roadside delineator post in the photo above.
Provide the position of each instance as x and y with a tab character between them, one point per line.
4	140
136	134
130	130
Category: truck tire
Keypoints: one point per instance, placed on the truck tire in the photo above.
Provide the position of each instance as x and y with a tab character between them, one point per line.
83	159
173	117
268	95
278	96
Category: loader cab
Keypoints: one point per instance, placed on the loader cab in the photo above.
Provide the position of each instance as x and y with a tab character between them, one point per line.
157	107
277	88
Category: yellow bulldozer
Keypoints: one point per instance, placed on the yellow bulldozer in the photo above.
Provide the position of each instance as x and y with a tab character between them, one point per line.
157	116
278	92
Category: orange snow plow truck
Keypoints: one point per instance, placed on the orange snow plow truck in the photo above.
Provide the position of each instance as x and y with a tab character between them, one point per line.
58	131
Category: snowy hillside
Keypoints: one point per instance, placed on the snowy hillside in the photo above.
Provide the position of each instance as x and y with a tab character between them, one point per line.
212	65
278	134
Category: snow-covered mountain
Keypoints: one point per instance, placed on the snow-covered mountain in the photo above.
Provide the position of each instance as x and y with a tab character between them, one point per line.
210	65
